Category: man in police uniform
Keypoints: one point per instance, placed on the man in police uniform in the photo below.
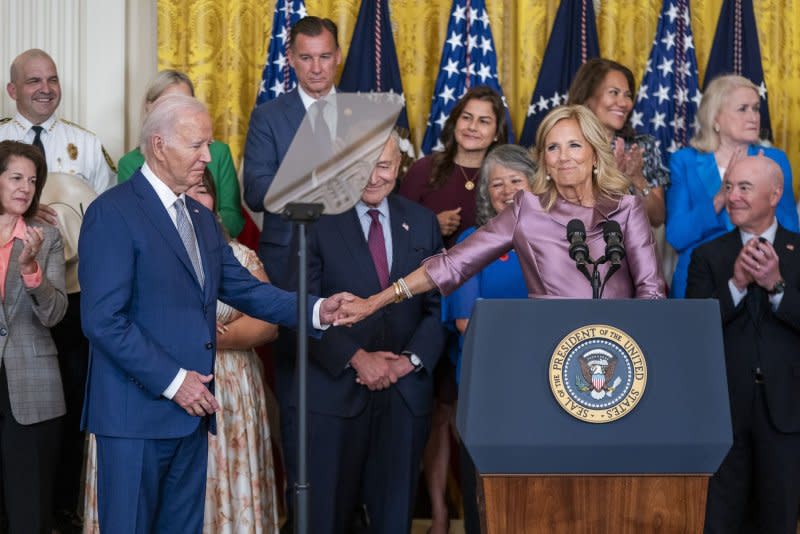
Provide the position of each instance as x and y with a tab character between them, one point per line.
69	149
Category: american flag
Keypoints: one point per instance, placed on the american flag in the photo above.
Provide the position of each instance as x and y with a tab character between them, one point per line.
736	51
669	94
572	42
278	77
372	65
468	59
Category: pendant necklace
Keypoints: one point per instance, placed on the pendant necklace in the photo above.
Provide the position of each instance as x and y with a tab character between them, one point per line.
469	185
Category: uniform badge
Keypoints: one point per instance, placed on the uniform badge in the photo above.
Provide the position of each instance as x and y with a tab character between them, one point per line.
72	150
597	373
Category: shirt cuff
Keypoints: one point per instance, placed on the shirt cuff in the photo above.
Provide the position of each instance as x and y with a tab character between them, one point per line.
316	322
736	295
775	300
34	279
175	385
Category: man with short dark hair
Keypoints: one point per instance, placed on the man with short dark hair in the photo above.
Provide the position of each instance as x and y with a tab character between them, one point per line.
754	272
314	54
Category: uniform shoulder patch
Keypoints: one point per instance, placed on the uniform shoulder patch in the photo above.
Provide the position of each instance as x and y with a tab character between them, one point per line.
108	159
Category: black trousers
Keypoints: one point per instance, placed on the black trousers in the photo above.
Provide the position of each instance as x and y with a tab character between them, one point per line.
28	455
73	362
757	487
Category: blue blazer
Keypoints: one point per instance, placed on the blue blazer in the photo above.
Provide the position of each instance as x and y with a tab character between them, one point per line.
691	219
145	314
272	128
339	260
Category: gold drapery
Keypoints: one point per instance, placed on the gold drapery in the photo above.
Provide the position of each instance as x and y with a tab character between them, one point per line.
222	45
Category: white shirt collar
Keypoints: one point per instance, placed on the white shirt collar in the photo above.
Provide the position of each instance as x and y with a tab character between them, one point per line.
25	123
165	194
769	233
309	100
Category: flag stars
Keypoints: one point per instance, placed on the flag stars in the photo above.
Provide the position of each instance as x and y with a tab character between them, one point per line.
672	13
642	93
301	11
532	109
280	62
455	40
486	45
669	40
441	120
662	94
636	119
459	13
283	35
688	43
451	69
447	95
681	95
484	18
484	72
666	67
472	42
698	96
555	100
762	90
658	121
262	86
542	104
277	88
473	14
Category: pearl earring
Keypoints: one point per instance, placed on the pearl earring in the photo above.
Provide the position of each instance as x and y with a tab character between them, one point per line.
716	128
547	177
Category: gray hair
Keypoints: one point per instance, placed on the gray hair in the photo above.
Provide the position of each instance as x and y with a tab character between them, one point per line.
720	88
513	157
164	116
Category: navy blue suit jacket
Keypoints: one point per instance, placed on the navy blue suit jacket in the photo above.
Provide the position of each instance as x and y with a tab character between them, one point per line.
272	128
145	314
339	260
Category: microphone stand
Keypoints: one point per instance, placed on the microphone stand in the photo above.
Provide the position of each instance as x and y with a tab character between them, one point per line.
302	215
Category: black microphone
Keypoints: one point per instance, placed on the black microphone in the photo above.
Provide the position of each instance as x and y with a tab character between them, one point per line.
612	234
576	235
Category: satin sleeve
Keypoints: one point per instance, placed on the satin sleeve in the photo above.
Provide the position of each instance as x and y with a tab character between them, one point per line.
453	267
640	247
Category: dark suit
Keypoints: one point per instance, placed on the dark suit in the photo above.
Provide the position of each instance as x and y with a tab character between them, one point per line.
758	483
360	439
146	316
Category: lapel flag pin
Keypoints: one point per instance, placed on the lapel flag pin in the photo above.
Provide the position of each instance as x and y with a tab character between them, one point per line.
196	210
789	246
405	226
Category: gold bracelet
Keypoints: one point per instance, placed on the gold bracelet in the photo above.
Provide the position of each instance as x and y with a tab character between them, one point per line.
398	293
406	291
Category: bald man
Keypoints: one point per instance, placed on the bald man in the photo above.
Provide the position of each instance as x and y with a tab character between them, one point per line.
754	272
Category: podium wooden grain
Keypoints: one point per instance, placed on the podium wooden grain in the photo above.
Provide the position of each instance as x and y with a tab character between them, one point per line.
593	504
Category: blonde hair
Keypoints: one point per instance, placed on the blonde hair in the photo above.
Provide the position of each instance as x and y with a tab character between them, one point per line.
607	180
720	88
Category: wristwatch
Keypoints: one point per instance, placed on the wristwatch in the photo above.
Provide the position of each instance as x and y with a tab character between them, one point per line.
414	359
778	288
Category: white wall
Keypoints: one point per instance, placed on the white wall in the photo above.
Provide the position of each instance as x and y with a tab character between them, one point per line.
105	51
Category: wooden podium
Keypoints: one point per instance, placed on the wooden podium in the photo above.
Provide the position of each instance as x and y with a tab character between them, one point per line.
544	471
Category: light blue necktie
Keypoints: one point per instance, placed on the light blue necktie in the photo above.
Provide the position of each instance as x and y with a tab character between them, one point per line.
189	239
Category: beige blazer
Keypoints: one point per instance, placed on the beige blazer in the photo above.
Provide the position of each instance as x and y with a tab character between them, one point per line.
27	351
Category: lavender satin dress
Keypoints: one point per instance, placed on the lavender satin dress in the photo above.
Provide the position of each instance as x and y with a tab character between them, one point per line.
539	239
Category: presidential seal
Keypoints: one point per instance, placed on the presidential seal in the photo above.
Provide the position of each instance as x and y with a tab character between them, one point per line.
597	373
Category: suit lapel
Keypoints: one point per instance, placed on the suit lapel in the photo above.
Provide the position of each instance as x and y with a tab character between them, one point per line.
400	240
13	281
153	211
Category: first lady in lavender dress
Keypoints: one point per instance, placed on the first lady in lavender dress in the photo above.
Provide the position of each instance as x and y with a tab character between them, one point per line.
577	178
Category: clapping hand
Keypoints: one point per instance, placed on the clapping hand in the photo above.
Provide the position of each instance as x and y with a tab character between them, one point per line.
760	263
32	243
